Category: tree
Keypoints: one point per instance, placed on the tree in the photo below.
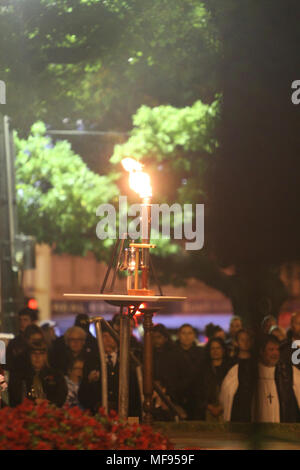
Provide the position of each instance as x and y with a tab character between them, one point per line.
99	61
57	195
177	145
256	197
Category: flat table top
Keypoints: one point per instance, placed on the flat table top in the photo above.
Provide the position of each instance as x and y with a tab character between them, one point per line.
127	298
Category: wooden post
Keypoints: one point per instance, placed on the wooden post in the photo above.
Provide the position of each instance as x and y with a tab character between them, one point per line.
148	365
136	274
124	365
98	328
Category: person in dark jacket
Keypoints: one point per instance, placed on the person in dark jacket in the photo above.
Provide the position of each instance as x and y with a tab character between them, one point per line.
17	345
234	327
91	345
268	393
21	361
168	364
90	390
192	357
40	382
73	346
215	368
240	379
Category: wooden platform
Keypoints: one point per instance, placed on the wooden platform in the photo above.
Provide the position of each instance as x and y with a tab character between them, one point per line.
126	298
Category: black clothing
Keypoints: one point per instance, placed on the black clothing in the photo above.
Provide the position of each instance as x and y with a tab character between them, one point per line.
289	410
91	345
286	352
15	348
169	370
61	357
248	378
136	348
192	360
209	384
90	393
241	406
52	381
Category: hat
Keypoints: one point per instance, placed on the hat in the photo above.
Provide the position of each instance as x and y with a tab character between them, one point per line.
48	324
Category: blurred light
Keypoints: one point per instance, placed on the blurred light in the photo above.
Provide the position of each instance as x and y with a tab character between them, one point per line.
32	304
139	181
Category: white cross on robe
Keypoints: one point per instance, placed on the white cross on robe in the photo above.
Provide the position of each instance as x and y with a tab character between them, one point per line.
266	408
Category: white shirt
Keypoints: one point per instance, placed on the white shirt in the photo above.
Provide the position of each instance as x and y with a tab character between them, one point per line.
266	407
228	390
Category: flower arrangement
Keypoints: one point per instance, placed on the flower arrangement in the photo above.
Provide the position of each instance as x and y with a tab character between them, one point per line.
45	427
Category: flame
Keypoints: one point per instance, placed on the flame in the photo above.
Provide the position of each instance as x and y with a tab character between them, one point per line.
129	164
139	181
138	312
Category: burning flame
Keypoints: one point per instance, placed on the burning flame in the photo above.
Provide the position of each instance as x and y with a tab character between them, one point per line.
129	164
139	181
138	312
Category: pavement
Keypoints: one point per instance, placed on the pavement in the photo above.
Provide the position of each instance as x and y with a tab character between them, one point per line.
232	442
236	436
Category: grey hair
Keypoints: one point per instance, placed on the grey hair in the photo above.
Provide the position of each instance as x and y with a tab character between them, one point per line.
74	329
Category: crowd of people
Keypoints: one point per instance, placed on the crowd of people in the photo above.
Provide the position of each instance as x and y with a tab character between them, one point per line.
239	376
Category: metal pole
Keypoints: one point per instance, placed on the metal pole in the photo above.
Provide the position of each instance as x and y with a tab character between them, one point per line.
124	366
156	385
10	291
10	197
97	322
115	249
148	366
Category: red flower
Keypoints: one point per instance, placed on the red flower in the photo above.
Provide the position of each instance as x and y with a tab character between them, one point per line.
45	427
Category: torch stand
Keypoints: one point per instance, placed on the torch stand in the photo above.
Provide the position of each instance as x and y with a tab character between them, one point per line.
97	322
114	264
148	363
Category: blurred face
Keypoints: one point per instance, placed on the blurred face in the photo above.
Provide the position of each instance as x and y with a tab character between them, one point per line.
235	326
271	354
220	334
38	360
35	337
295	325
244	342
186	337
76	343
158	339
25	321
109	343
77	371
216	351
270	322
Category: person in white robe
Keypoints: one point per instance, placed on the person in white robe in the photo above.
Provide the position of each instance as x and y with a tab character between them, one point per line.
268	402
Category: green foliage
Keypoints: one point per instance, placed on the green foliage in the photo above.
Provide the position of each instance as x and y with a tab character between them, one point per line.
57	194
182	140
101	60
177	146
162	131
